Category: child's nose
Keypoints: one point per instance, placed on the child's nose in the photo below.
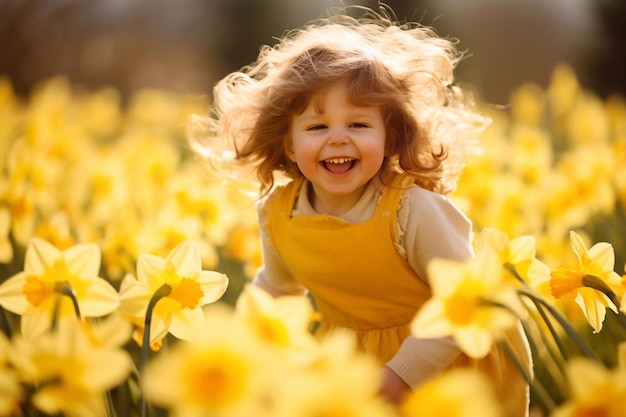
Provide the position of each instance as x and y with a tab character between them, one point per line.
338	136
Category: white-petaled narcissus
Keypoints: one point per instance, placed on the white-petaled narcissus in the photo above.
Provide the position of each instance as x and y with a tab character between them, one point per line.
470	302
180	312
581	280
34	293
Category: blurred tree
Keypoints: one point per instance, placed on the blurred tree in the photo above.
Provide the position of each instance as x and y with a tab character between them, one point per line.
605	61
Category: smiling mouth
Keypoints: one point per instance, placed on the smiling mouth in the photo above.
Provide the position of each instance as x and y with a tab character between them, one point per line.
339	165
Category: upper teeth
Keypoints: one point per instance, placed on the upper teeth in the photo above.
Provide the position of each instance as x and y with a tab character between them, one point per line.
339	160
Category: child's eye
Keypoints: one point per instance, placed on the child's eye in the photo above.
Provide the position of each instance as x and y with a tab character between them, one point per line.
359	125
316	127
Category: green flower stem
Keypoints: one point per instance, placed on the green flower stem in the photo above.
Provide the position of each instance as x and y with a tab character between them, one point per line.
64	288
162	292
569	329
538	389
554	362
540	303
557	358
555	335
541	394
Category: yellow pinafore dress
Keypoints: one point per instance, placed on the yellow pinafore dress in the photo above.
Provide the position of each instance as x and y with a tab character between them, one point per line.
360	282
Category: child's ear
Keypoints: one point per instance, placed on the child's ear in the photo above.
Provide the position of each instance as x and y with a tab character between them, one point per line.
288	147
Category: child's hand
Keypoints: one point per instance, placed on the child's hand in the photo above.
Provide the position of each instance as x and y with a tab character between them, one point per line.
393	388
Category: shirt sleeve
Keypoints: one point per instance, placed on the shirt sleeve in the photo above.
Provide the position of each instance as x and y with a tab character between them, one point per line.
431	226
273	277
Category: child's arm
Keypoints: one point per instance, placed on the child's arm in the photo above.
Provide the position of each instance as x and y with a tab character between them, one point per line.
393	388
431	226
418	360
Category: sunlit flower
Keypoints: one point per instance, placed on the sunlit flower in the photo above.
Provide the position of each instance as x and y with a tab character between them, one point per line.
518	253
35	292
595	390
456	393
180	312
224	372
10	389
283	322
597	263
528	104
6	247
68	372
469	302
338	380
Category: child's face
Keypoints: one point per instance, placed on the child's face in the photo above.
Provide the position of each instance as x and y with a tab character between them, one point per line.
339	150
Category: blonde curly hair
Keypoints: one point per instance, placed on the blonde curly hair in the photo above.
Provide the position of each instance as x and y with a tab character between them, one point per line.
404	68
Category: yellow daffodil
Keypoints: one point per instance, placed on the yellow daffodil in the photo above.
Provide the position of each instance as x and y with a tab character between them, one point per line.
595	390
69	373
469	302
528	104
282	322
338	380
10	389
180	312
6	248
226	371
518	253
576	279
313	395
36	292
455	393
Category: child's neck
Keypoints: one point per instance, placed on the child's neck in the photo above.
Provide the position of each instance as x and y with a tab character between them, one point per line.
332	205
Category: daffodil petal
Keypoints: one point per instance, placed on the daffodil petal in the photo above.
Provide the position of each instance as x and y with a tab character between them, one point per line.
444	275
186	258
83	260
521	249
99	300
430	321
159	326
134	298
213	285
578	245
585	376
12	295
593	305
474	341
149	270
490	239
187	323
602	258
38	255
101	375
35	322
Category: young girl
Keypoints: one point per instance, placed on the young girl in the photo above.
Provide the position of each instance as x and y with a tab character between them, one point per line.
362	119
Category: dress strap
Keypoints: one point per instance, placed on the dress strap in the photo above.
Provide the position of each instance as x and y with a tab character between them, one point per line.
287	197
392	194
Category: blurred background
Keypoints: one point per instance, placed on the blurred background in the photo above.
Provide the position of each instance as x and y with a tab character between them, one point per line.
187	45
